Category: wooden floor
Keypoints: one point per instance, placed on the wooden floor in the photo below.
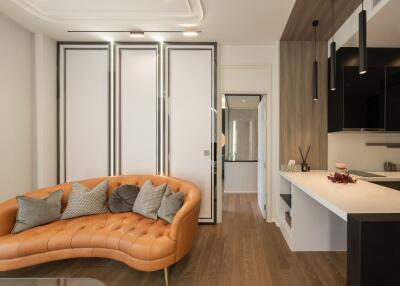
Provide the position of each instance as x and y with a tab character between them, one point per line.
243	250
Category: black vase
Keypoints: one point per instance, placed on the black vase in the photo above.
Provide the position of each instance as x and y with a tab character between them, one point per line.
304	167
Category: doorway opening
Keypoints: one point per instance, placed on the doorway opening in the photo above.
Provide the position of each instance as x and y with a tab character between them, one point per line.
244	146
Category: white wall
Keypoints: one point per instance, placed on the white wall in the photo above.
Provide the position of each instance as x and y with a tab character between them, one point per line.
350	148
246	69
28	90
45	111
15	109
240	177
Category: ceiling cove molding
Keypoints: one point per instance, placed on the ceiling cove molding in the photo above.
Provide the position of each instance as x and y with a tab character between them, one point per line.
191	15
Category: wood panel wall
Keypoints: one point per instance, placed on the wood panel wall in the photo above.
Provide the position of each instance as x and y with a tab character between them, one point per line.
299	28
303	121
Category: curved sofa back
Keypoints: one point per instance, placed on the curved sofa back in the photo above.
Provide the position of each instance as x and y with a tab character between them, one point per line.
8	209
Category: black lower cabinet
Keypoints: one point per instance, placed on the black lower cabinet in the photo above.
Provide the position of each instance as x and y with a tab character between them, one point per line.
393	99
373	249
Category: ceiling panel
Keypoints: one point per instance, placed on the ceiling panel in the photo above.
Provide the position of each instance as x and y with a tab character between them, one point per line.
228	22
98	12
55	7
242	101
383	28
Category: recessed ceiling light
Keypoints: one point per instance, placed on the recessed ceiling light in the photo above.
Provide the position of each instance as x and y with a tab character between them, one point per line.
243	100
190	33
136	34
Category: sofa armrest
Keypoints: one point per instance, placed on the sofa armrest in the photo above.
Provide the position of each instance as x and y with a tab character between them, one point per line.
8	213
185	224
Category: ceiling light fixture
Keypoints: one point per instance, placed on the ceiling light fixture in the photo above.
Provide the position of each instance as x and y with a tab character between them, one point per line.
190	33
136	34
315	64
362	34
139	34
332	63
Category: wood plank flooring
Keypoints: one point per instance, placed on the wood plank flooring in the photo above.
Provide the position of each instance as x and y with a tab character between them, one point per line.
243	250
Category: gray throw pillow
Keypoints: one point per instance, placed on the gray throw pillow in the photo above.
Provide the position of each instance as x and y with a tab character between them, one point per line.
83	201
149	199
123	198
33	212
170	205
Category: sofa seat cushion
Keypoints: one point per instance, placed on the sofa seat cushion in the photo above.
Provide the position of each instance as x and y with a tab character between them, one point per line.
130	233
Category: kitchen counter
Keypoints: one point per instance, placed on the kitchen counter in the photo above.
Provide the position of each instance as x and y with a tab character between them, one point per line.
363	219
343	199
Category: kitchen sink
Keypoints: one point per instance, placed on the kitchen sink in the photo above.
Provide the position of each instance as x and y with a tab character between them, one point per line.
364	174
388	184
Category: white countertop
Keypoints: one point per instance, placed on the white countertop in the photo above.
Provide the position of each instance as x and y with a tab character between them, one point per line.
342	199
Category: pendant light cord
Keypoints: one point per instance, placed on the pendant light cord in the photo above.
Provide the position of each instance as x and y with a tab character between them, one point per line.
315	25
333	20
315	43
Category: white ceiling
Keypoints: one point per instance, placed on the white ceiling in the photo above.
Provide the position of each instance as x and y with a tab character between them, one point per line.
383	28
242	102
241	22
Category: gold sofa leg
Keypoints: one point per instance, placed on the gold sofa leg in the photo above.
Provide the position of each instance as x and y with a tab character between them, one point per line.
166	276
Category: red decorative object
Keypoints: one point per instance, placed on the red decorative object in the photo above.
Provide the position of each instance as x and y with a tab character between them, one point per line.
342	178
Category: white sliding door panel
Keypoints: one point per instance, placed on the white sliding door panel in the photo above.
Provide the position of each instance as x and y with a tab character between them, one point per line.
191	88
87	111
262	158
138	90
84	113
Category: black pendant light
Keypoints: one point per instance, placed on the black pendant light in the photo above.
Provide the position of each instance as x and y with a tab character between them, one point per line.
332	66
315	63
362	21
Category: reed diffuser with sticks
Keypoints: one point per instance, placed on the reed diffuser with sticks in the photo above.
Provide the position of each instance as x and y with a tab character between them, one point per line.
304	164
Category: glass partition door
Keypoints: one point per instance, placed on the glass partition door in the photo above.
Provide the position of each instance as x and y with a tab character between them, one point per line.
241	128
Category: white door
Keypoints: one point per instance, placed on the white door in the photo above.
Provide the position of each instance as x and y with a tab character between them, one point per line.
84	118
137	112
262	159
191	95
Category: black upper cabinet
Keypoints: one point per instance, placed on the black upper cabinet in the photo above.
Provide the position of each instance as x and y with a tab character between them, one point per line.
369	101
364	98
393	99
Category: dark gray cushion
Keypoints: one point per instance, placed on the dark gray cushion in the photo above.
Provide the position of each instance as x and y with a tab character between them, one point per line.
33	212
84	201
149	199
170	205
123	198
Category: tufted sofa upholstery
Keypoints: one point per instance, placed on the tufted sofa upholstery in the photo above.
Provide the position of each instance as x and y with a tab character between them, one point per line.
139	242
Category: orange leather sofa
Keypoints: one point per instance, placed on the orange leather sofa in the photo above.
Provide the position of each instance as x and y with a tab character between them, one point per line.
139	242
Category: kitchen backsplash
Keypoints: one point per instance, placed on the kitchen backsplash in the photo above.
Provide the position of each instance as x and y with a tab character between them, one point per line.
350	148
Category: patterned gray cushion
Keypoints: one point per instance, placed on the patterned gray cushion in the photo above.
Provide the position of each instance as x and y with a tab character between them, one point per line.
33	212
170	205
83	201
149	199
123	198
